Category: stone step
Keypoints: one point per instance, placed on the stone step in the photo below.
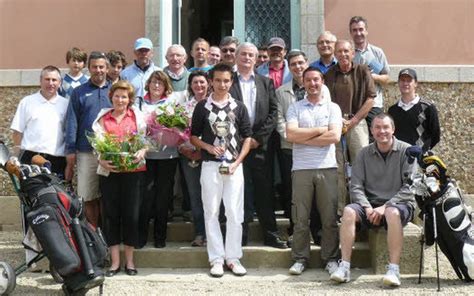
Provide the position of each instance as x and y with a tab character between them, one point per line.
180	231
181	255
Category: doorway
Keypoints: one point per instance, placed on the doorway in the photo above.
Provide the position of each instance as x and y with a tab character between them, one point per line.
209	19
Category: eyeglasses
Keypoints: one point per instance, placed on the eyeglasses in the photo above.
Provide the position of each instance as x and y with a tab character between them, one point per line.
322	42
226	50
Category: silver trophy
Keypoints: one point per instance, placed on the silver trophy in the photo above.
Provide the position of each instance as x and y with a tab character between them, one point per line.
221	129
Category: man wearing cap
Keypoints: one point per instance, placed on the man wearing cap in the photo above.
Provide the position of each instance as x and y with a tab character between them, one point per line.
325	45
139	72
380	196
277	67
258	95
372	56
38	124
416	119
353	89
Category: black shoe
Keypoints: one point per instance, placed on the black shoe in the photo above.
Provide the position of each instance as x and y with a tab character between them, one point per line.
273	240
112	272
130	271
160	244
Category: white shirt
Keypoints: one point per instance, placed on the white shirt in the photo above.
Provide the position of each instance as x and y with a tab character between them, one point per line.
309	115
409	105
249	95
42	123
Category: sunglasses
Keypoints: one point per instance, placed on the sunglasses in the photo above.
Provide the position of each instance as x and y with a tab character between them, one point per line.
226	50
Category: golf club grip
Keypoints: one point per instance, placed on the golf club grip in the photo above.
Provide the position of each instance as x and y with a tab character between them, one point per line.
13	169
40	160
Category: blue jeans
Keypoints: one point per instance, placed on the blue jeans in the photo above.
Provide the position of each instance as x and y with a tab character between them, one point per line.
192	178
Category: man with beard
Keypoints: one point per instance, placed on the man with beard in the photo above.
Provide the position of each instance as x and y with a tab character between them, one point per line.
277	67
84	106
140	70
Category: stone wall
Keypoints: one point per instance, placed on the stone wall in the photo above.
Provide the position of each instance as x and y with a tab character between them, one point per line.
455	103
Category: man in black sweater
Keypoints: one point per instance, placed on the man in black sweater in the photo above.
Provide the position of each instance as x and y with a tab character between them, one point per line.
416	119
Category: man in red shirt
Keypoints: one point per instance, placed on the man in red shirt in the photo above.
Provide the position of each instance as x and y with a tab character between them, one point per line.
277	67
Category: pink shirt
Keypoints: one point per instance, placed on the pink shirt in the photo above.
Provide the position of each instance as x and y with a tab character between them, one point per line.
125	127
276	75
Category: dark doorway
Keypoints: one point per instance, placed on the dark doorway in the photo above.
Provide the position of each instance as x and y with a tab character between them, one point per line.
209	19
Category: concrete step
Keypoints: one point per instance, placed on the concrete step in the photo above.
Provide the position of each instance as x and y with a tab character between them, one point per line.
180	231
181	255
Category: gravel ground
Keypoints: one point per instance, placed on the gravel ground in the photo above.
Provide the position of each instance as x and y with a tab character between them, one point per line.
256	282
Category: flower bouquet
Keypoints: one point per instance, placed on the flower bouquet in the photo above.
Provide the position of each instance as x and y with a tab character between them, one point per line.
121	151
168	126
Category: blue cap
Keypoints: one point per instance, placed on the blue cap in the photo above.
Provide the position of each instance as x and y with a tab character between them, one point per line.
143	43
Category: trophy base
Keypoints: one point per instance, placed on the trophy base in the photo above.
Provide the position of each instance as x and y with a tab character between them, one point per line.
224	170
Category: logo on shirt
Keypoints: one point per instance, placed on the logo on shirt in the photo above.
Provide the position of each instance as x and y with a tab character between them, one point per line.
88	94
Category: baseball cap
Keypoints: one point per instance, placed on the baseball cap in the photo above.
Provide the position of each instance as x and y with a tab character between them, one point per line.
143	43
408	71
276	42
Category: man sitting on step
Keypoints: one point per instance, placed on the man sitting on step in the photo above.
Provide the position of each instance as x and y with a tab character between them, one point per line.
380	196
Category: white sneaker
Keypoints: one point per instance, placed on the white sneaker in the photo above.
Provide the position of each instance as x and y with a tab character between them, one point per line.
297	268
342	273
331	266
236	267
392	277
217	270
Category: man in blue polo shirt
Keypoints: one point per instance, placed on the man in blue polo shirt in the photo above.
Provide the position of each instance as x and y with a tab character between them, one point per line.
142	67
85	103
313	126
326	43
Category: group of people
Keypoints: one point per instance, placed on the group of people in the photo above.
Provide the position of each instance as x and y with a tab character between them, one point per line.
338	153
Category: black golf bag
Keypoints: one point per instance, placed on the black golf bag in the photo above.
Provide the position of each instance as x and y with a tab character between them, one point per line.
446	218
75	249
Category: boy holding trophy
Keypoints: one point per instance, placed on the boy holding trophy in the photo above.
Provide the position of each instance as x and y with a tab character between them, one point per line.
221	130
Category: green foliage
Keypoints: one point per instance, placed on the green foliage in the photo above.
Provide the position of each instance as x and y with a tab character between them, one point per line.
171	116
120	151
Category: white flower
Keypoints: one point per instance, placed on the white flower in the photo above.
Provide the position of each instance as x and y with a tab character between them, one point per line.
169	110
159	111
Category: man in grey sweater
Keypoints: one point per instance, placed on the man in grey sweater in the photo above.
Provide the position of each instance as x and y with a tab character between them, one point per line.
380	197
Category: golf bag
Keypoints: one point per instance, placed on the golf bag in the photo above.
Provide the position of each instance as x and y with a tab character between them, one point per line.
446	218
74	248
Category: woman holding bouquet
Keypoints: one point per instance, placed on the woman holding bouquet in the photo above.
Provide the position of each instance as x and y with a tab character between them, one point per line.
120	179
161	162
190	159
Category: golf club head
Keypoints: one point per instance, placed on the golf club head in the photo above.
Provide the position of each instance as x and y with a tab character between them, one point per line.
4	154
